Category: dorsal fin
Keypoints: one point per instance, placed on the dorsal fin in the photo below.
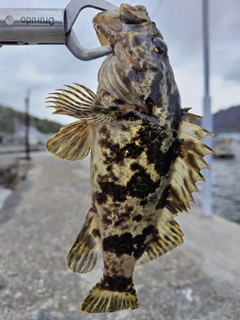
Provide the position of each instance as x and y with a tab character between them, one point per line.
188	164
185	174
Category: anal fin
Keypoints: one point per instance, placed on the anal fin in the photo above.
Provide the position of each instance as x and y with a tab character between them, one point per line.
82	256
168	237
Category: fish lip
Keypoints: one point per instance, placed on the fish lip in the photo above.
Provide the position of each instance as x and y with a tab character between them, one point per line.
102	39
107	25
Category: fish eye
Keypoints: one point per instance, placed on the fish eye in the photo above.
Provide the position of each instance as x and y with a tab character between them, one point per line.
160	46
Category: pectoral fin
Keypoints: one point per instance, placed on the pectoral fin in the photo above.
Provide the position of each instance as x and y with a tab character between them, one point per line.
82	256
72	142
81	103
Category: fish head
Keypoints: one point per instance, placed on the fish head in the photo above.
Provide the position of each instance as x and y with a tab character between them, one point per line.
141	55
113	26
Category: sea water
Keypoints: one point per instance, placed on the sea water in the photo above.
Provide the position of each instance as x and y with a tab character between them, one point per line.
225	187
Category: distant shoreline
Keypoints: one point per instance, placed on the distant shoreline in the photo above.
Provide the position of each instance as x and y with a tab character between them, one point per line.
16	149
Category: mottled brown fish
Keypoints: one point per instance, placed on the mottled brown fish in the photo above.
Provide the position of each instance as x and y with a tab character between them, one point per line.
146	156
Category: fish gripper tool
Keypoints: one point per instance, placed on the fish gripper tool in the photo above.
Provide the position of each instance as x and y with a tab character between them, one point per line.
26	26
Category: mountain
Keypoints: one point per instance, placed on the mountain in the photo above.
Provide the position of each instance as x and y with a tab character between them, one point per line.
11	118
227	120
224	121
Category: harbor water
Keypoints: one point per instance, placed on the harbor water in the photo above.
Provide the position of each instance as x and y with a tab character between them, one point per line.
225	187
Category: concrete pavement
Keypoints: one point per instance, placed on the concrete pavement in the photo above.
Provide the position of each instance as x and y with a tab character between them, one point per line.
200	280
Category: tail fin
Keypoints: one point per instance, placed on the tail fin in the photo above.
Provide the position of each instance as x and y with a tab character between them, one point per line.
111	294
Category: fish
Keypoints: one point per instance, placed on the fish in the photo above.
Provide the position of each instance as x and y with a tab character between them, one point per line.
146	154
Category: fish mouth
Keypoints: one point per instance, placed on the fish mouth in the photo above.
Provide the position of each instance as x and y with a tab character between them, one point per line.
102	39
112	26
107	25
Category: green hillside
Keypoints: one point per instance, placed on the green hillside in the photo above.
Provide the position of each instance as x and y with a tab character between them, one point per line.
9	117
224	121
227	120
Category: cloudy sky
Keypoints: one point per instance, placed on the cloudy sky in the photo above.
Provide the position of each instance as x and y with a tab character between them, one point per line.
42	69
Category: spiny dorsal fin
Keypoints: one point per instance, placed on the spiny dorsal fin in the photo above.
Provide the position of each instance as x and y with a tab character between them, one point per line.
82	256
72	142
191	117
82	103
185	174
187	166
193	130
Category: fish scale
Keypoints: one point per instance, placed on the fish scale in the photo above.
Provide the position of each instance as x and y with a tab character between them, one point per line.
146	156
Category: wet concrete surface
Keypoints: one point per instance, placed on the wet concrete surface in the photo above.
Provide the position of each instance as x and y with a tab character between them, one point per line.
199	280
13	168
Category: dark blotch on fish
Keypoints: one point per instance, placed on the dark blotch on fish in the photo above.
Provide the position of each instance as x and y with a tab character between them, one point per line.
155	94
162	200
106	215
100	197
118	101
165	160
135	166
135	41
144	202
141	184
119	245
126	244
116	283
114	190
150	103
96	233
123	217
130	116
109	168
139	240
105	132
137	218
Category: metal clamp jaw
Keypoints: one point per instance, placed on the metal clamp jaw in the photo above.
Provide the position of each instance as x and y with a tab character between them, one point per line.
50	26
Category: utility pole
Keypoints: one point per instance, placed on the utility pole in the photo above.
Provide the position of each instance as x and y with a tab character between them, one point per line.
27	122
207	121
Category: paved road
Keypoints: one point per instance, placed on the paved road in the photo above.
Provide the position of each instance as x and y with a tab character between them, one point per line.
200	280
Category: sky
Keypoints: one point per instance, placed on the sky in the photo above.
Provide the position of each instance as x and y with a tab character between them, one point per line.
44	68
